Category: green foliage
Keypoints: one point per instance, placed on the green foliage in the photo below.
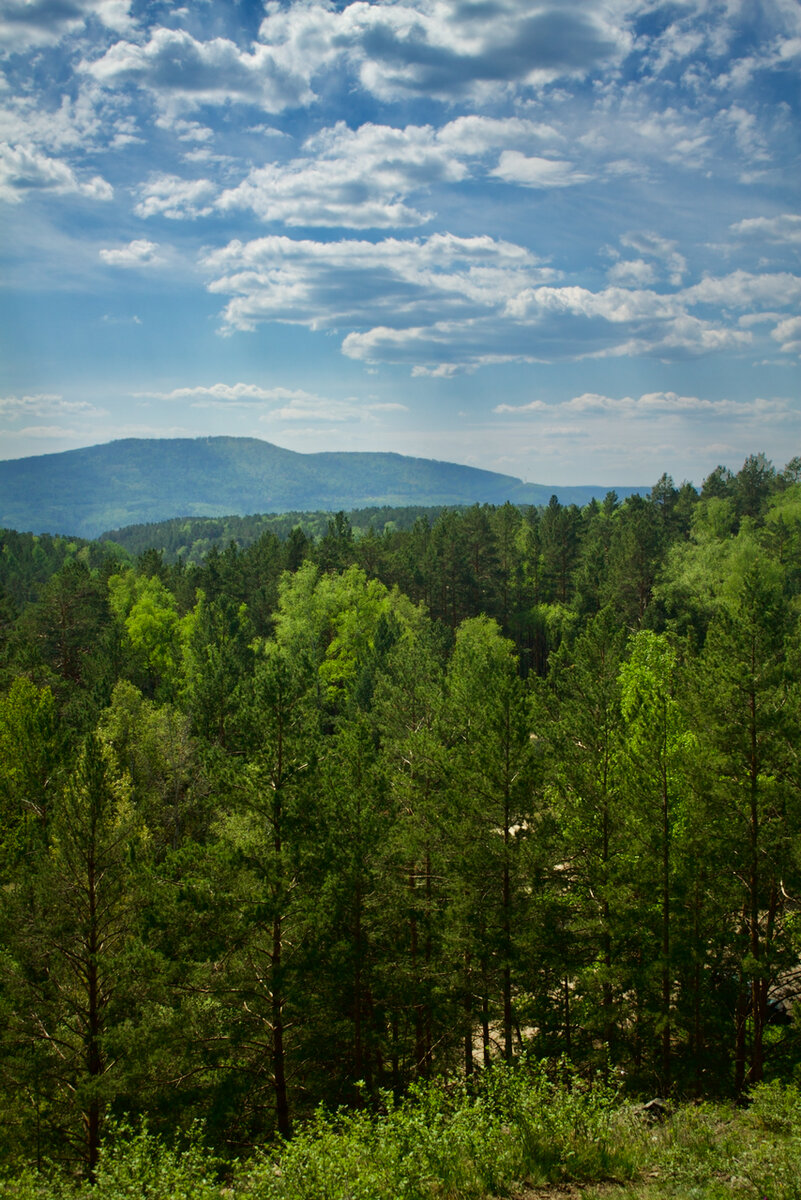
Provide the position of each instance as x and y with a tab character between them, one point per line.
447	1141
137	1164
328	821
32	752
147	611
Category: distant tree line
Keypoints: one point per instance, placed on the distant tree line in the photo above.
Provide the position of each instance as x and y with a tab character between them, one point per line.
316	817
192	538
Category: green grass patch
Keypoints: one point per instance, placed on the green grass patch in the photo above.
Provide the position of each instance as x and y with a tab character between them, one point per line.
517	1129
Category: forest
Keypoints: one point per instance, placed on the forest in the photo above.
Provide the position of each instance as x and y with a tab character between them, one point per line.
318	820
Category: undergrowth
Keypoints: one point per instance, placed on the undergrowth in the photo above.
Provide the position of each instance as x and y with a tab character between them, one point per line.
515	1128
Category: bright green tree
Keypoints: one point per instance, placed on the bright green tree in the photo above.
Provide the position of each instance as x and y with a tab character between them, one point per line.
749	731
491	768
581	734
654	751
269	830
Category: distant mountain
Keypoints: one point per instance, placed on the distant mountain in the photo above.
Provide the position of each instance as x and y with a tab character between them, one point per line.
85	492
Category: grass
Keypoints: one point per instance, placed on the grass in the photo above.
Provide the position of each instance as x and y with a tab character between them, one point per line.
715	1151
519	1130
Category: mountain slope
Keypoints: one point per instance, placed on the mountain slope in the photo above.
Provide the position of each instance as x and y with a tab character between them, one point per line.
136	480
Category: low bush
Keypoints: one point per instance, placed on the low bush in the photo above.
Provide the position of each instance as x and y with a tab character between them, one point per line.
451	1141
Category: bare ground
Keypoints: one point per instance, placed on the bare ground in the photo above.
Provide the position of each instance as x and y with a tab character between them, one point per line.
568	1191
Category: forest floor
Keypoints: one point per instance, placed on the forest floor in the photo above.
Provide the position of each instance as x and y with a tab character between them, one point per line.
649	1188
570	1191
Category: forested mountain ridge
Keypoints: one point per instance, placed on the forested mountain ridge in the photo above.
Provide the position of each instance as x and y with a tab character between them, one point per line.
191	538
135	480
317	818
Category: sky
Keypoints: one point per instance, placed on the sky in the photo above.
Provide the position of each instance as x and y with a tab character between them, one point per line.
558	239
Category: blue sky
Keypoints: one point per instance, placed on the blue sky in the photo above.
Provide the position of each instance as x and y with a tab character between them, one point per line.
558	239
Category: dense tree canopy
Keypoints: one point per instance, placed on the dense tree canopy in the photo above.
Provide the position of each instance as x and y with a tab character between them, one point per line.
318	815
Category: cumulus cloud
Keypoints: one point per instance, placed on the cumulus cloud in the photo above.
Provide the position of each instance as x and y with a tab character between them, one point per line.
532	406
25	169
362	178
614	304
556	333
784	229
653	246
536	172
788	334
185	131
138	253
184	73
352	283
445	303
651	405
170	196
26	23
654	402
70	123
354	178
634	271
742	289
475	136
449	48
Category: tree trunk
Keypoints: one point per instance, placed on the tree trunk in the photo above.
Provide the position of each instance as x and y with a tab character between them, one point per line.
282	1120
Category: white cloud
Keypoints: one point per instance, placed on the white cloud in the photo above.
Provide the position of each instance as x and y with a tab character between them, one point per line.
662	402
226	395
46	404
788	334
674	44
748	133
184	73
354	178
138	253
26	23
74	123
665	420
351	283
445	304
784	229
537	172
361	178
532	406
634	271
185	131
293	404
741	289
170	196
54	432
316	408
614	304
475	136
631	126
25	169
652	245
557	334
448	47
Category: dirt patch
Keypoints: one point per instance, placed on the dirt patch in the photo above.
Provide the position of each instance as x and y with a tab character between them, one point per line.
567	1191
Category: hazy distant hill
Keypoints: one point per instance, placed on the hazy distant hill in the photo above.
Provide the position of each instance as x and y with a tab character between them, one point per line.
136	480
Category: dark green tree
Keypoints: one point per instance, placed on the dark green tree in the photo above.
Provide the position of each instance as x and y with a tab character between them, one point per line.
69	933
492	778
